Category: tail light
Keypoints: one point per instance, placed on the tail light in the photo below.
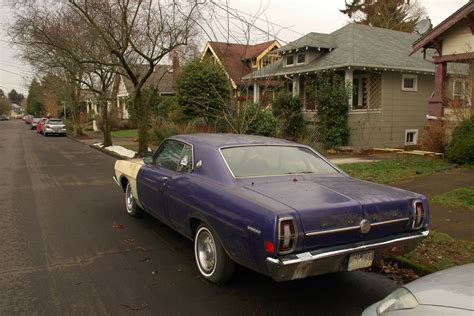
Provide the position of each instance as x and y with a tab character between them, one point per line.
418	215
287	235
47	126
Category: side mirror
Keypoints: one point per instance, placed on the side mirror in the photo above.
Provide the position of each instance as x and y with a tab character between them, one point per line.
148	160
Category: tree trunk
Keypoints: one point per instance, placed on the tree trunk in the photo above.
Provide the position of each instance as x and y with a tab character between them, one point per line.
107	137
142	123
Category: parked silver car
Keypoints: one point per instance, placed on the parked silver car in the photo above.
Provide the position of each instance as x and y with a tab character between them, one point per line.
447	292
53	126
34	122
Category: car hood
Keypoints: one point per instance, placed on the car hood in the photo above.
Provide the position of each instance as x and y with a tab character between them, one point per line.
452	287
325	203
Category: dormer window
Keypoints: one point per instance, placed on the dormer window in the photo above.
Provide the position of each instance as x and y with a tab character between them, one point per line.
300	58
290	60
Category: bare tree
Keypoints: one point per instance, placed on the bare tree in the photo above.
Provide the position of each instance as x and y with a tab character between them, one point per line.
139	34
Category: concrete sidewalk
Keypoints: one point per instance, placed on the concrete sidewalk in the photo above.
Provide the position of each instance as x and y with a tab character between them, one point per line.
456	222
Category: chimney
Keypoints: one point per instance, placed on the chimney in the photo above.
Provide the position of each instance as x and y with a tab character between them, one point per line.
175	61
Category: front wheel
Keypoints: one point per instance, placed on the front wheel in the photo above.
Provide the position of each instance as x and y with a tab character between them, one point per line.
130	204
213	262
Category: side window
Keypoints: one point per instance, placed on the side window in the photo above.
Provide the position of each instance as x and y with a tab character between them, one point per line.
186	161
169	155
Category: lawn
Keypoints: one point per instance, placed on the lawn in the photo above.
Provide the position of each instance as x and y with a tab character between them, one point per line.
125	133
387	171
439	251
461	197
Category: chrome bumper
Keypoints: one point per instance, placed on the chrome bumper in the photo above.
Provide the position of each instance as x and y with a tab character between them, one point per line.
334	259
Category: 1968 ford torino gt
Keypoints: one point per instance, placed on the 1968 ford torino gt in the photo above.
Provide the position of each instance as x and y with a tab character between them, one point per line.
274	206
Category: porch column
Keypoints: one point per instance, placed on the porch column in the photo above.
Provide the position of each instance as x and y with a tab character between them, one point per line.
349	77
256	92
435	104
296	86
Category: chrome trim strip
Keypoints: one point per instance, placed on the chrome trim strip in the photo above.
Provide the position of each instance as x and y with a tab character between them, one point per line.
330	231
307	256
391	221
337	230
116	181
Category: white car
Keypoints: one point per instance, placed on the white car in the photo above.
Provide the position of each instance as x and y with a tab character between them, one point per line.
447	292
53	127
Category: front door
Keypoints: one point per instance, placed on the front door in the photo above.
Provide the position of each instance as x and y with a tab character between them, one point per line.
153	179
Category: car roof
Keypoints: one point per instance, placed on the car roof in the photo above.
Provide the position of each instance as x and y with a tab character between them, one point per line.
228	139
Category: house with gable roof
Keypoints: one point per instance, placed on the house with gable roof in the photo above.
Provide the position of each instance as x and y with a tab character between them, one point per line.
390	87
239	60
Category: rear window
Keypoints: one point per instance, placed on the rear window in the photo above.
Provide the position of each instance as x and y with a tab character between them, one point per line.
272	160
55	122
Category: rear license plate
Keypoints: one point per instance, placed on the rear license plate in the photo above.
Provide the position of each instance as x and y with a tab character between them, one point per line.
360	260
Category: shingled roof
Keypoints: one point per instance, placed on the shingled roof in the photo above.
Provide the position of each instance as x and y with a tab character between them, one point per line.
234	56
162	78
354	45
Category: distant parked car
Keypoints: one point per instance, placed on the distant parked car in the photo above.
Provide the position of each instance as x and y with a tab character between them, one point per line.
53	126
34	122
28	119
446	292
4	117
19	117
274	206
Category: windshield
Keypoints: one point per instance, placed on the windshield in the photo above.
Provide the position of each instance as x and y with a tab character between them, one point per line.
55	122
253	161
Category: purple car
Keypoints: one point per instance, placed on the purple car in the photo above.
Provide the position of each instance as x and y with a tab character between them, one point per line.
274	206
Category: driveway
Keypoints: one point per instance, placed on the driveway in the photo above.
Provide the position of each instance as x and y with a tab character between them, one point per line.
67	247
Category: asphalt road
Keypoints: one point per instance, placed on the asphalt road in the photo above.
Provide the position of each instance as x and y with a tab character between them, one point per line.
68	247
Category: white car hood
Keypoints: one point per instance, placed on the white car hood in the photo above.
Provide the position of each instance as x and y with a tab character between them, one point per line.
452	288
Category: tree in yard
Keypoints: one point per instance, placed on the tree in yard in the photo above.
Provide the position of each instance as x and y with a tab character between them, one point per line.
139	34
203	89
34	105
15	97
5	106
55	41
398	15
2	94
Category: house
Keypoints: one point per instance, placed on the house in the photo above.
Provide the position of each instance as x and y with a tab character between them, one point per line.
239	60
163	78
453	41
390	88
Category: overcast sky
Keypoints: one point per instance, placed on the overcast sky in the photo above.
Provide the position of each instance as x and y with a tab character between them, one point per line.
289	19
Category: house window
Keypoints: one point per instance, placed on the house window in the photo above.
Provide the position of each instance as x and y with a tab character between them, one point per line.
459	89
289	87
360	92
300	58
409	83
290	60
411	137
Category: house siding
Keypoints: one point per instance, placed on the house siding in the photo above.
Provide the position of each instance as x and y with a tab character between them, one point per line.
400	110
458	40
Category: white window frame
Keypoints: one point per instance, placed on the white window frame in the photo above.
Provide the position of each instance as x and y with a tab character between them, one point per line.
415	82
415	136
360	93
463	84
286	61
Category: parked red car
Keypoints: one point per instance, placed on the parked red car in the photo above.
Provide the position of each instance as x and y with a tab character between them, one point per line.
39	127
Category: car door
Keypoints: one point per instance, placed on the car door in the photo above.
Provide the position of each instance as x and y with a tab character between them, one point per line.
153	179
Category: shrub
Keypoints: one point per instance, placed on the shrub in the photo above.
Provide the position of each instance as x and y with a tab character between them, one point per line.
289	110
461	148
331	97
433	137
167	129
265	123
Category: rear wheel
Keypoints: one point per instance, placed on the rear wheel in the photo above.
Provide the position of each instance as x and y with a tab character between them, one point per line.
130	204
213	262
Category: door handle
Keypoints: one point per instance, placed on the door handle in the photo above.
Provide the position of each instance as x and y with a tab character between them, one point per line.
164	178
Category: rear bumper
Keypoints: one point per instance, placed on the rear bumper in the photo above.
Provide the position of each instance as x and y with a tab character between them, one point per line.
333	259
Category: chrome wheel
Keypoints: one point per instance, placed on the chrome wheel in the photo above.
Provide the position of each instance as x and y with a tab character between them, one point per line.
129	199
206	253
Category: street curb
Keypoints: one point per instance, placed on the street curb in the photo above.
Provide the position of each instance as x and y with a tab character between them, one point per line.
109	153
